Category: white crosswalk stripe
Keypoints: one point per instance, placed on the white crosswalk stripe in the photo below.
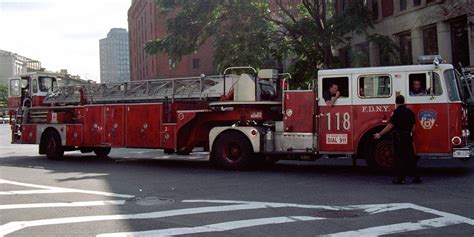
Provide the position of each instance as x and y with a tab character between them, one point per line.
62	204
50	189
442	219
219	227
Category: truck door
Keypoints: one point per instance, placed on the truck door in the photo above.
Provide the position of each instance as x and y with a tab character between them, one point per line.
335	122
427	99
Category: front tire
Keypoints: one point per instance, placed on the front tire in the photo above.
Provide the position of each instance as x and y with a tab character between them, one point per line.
231	150
379	154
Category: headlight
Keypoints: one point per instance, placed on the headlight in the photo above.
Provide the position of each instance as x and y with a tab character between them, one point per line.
466	133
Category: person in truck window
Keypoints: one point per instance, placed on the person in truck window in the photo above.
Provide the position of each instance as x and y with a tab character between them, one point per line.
332	94
416	89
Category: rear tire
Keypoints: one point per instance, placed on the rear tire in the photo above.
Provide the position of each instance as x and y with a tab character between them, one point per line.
102	152
379	154
232	150
54	149
168	151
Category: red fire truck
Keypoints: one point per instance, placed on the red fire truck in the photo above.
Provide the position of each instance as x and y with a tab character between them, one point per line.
248	118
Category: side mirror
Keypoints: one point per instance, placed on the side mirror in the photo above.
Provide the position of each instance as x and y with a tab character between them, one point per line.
432	87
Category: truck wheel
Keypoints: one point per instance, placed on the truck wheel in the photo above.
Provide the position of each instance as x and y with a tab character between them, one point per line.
231	150
102	152
379	154
168	151
54	150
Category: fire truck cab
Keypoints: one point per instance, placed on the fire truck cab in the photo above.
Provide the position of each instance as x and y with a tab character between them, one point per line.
30	89
368	100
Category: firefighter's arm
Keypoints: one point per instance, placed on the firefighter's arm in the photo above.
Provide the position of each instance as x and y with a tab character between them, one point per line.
384	131
333	99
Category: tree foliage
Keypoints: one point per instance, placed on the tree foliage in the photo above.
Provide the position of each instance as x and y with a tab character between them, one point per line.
314	30
238	30
3	95
389	51
255	32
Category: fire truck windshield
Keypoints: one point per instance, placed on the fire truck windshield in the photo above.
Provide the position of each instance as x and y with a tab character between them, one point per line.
47	84
452	82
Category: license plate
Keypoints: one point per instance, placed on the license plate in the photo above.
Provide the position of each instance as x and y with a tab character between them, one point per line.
465	153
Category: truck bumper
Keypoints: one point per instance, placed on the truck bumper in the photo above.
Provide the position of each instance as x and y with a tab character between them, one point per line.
462	152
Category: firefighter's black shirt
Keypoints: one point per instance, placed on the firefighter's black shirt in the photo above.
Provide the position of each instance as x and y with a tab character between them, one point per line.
402	119
327	96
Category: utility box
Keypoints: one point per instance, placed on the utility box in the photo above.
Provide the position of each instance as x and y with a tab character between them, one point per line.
268	74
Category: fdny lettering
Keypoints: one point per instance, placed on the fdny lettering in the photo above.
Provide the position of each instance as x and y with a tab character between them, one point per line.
375	109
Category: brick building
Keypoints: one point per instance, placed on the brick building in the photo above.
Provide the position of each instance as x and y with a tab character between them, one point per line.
145	22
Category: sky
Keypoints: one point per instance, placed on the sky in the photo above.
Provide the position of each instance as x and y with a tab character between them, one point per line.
61	34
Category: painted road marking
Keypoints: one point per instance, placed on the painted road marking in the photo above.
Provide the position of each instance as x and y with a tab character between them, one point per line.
62	204
219	227
36	191
18	225
444	219
399	228
50	189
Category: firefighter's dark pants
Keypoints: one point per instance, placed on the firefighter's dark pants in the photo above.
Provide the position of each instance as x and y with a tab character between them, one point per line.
404	155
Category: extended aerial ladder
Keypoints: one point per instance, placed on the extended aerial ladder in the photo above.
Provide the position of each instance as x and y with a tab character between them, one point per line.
203	88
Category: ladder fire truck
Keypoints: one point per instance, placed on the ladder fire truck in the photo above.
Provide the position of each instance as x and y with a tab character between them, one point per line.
245	119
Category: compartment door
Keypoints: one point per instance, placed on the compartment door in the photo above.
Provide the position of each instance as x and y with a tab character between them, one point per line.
114	134
143	125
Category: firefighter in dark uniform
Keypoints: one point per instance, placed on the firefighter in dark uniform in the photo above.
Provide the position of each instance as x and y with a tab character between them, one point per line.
403	124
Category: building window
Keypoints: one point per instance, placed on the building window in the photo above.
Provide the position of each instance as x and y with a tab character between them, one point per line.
405	48
403	5
387	8
460	42
375	10
430	41
196	63
416	3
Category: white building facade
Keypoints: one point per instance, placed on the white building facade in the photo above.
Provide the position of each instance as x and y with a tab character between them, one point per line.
420	27
13	64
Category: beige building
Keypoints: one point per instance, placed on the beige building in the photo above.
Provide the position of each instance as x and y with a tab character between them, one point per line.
419	27
14	64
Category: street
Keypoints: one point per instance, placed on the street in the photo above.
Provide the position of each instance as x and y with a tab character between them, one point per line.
146	192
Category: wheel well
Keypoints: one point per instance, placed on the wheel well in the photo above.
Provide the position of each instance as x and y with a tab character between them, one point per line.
42	146
230	131
366	137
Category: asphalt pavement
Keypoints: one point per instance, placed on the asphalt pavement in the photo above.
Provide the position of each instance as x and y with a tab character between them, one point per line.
147	193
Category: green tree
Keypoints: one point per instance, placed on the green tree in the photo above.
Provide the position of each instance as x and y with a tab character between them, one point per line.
238	30
3	96
314	30
250	32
